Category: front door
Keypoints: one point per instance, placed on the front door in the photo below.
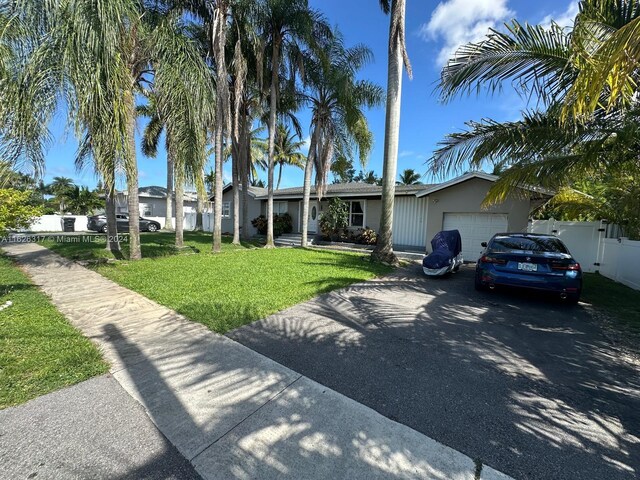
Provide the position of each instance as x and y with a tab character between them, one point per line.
314	212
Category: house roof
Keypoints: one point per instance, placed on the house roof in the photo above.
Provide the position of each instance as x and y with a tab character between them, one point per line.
364	190
253	191
470	175
155	191
353	189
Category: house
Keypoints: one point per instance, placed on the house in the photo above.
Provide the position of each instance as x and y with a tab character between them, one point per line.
420	210
153	202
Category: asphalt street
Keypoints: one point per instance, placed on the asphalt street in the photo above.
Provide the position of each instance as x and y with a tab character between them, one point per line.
525	384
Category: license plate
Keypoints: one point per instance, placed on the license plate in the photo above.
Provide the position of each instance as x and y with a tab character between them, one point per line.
528	267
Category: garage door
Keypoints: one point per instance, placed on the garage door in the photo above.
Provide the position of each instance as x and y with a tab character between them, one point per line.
475	228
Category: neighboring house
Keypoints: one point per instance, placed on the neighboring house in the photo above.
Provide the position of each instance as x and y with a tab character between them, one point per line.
420	210
153	202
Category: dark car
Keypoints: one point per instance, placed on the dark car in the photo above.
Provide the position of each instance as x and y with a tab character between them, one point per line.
533	261
98	223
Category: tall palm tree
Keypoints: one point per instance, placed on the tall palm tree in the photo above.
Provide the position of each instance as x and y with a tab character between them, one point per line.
287	150
27	88
149	147
286	25
409	177
397	57
134	43
61	188
337	101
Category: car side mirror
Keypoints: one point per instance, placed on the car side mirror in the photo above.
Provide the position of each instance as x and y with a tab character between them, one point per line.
484	244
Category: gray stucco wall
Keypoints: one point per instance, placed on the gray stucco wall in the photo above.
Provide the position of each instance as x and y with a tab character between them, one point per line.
467	197
253	212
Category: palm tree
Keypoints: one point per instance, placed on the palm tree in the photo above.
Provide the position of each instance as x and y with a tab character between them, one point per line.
397	57
369	177
82	201
61	188
149	147
134	43
287	150
546	146
285	25
409	177
27	88
337	101
607	37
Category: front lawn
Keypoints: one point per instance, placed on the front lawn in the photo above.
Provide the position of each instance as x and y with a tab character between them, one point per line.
39	350
620	301
159	244
238	286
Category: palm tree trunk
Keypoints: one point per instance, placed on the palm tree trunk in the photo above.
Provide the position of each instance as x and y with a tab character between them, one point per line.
217	190
133	202
384	249
273	105
308	170
218	43
279	177
199	227
112	244
245	158
168	216
179	208
235	210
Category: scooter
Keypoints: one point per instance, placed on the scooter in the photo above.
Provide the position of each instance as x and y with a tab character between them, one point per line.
446	256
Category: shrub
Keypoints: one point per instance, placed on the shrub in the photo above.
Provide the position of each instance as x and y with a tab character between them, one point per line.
15	211
281	224
366	236
335	218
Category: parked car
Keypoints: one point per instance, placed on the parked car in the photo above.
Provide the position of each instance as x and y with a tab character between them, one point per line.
98	223
446	254
532	261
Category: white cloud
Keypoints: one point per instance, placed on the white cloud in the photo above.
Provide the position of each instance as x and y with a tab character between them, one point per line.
406	153
564	19
456	22
306	144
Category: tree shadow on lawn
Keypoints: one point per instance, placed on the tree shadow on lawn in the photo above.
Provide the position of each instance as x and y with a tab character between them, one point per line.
528	385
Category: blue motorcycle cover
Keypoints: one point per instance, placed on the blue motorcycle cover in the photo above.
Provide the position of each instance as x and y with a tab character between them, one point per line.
446	245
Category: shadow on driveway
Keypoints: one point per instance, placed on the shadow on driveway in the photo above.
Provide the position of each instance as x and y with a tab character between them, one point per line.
528	385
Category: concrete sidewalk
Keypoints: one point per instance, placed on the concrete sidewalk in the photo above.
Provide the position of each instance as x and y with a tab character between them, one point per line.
230	411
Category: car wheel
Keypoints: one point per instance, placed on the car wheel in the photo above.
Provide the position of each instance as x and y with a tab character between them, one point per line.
481	287
152	227
104	229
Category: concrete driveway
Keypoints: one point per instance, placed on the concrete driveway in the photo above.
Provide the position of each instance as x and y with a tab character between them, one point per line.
526	385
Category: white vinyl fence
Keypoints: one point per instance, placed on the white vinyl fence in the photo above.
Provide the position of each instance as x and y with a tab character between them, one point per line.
615	258
53	223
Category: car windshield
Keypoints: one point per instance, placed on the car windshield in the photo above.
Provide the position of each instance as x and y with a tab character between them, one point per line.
529	244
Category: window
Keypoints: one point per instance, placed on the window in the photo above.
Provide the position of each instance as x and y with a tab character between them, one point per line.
356	213
226	209
280	208
147	209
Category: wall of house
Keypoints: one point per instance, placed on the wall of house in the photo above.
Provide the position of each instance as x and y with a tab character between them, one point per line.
372	209
253	212
467	197
158	206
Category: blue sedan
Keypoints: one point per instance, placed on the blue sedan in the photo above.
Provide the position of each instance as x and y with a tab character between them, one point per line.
533	261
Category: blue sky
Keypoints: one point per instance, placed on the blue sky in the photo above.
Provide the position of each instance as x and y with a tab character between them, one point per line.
434	30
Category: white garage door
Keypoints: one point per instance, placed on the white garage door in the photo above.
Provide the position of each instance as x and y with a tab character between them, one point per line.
475	228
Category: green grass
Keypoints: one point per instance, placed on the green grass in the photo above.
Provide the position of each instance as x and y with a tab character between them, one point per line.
226	290
154	245
39	350
620	301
